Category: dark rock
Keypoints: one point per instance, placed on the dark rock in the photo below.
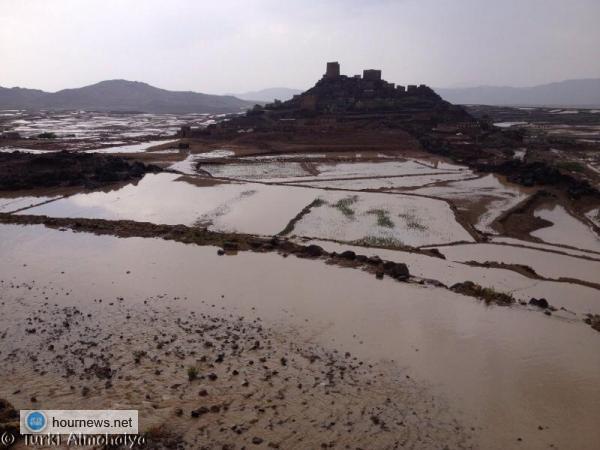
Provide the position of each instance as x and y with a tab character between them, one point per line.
313	250
230	246
200	411
398	271
540	303
348	254
257	441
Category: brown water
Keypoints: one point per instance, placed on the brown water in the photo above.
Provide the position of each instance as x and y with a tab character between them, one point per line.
165	198
506	370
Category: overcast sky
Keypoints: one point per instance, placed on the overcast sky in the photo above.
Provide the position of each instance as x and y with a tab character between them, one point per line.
239	45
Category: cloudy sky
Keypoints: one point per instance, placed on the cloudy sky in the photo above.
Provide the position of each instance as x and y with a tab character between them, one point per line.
239	45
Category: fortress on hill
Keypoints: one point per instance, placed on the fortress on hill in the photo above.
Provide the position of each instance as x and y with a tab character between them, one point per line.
337	93
339	102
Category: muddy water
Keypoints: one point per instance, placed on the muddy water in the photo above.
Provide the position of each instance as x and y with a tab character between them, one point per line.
507	371
161	198
566	229
546	264
575	298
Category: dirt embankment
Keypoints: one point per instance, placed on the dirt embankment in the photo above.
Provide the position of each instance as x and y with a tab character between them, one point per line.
61	169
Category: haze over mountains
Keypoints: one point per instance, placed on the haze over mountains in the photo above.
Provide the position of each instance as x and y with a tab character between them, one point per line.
121	95
269	94
582	93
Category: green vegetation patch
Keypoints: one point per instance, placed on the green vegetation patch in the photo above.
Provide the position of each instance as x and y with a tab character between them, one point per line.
487	294
344	205
378	241
412	221
316	203
383	217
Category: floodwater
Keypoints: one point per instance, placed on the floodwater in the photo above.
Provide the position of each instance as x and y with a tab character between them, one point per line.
510	373
98	126
497	196
573	297
388	183
166	199
566	230
132	148
395	219
546	264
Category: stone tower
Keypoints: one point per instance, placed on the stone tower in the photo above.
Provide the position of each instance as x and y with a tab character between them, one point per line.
333	70
372	75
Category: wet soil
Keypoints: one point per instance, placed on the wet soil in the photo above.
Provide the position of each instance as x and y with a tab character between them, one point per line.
209	381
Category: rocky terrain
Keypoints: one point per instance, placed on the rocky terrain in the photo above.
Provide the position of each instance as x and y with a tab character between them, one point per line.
65	169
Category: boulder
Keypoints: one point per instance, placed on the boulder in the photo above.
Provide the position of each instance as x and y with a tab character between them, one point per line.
399	272
313	250
348	254
540	303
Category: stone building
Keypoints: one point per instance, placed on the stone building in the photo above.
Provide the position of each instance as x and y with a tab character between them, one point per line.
371	75
333	70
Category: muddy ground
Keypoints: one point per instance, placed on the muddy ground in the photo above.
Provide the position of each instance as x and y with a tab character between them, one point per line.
208	381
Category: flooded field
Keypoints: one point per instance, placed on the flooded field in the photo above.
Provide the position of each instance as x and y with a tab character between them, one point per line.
507	375
566	230
172	199
94	131
426	364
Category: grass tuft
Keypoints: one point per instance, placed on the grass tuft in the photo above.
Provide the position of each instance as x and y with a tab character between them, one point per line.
344	205
412	221
383	217
377	241
192	373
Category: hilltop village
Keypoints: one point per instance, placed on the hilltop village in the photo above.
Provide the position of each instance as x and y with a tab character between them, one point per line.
356	112
338	102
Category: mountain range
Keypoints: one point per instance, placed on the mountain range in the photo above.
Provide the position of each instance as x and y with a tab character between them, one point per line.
121	95
578	93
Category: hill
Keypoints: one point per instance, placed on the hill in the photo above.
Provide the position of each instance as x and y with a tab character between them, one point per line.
581	93
121	95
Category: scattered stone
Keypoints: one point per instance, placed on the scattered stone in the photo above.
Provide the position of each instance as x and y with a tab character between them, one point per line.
540	303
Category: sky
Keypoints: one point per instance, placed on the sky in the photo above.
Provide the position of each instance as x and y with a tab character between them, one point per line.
224	46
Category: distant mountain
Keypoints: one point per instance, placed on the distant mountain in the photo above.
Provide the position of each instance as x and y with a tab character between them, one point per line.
270	94
121	95
564	93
